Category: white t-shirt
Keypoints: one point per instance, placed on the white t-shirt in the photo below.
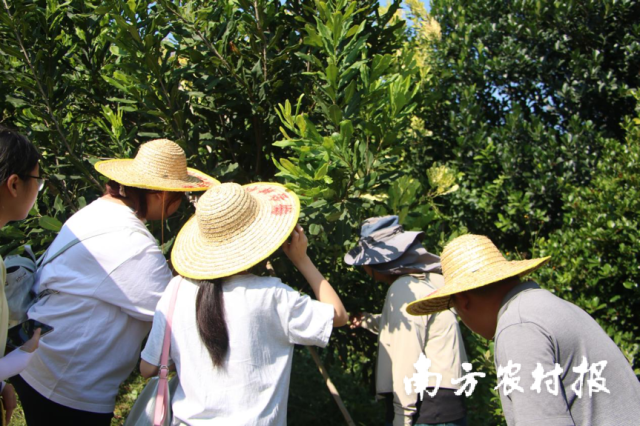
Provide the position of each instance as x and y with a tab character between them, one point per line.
109	286
265	318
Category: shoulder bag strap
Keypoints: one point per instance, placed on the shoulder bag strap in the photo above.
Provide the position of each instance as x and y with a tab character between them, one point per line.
43	260
163	387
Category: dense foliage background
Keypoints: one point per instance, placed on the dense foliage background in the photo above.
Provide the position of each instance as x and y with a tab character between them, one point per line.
516	120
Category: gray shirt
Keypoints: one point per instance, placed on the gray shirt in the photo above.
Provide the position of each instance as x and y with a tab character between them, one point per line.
537	327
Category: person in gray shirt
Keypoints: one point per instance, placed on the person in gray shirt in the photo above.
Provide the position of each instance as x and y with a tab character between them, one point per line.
556	366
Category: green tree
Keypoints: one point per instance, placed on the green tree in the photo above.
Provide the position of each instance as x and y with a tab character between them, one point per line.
595	253
524	92
91	80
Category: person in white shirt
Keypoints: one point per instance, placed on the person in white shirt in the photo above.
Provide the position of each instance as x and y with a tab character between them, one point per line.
100	294
20	181
232	332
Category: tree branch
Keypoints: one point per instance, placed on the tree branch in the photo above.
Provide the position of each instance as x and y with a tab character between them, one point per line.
45	97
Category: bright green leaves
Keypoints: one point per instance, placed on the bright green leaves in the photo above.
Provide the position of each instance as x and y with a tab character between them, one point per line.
50	223
344	147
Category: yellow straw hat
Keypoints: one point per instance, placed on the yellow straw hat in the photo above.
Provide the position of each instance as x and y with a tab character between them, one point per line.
234	228
161	165
469	262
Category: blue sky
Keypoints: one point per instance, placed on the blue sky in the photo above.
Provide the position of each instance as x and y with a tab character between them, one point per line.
426	3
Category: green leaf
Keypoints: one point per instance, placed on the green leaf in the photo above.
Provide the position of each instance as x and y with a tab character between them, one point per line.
332	74
321	172
336	114
50	223
315	229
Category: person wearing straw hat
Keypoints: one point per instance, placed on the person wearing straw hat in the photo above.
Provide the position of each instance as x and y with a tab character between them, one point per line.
232	332
538	337
20	182
100	287
396	257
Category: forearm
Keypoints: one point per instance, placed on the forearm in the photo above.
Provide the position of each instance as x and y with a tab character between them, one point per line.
14	363
371	322
147	369
403	416
323	290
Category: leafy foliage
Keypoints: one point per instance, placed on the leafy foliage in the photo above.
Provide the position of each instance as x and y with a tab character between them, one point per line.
596	250
491	117
525	91
93	80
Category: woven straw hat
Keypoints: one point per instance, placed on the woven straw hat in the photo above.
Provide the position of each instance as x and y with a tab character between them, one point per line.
234	228
469	262
161	165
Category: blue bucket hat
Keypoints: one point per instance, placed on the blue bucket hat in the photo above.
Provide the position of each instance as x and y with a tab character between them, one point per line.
389	249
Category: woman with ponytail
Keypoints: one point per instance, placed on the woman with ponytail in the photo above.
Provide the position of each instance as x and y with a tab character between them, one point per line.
233	354
100	292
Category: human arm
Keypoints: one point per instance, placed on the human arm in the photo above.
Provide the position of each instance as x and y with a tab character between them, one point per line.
527	345
148	370
17	360
366	320
296	251
9	401
152	353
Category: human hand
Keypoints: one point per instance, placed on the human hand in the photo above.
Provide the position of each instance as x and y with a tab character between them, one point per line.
296	248
355	320
9	401
32	344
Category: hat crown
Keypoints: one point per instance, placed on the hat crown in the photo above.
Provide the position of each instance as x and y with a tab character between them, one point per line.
374	224
161	158
224	211
468	254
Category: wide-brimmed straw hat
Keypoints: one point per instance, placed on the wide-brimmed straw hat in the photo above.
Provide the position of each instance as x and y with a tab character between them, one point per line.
234	228
160	165
469	262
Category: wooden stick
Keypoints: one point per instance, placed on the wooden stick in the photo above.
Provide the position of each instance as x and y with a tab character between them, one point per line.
330	385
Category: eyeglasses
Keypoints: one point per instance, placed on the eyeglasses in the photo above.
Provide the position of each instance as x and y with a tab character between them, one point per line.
39	180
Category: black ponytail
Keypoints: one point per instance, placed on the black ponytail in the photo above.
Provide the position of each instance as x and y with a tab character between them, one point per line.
210	318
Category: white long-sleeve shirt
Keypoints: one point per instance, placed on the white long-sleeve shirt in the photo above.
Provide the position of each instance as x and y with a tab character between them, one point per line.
17	360
108	287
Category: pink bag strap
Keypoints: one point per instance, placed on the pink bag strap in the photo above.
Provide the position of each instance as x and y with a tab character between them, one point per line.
163	386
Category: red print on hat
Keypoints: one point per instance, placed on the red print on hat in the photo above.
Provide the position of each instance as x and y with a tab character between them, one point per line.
281	209
278	197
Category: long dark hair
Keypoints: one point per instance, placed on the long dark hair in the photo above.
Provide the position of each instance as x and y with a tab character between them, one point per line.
210	318
136	195
18	156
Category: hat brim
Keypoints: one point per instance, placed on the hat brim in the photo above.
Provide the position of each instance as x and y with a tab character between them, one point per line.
439	299
121	171
193	256
382	251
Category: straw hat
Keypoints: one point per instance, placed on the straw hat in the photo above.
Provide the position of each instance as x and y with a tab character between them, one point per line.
469	262
234	228
161	165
